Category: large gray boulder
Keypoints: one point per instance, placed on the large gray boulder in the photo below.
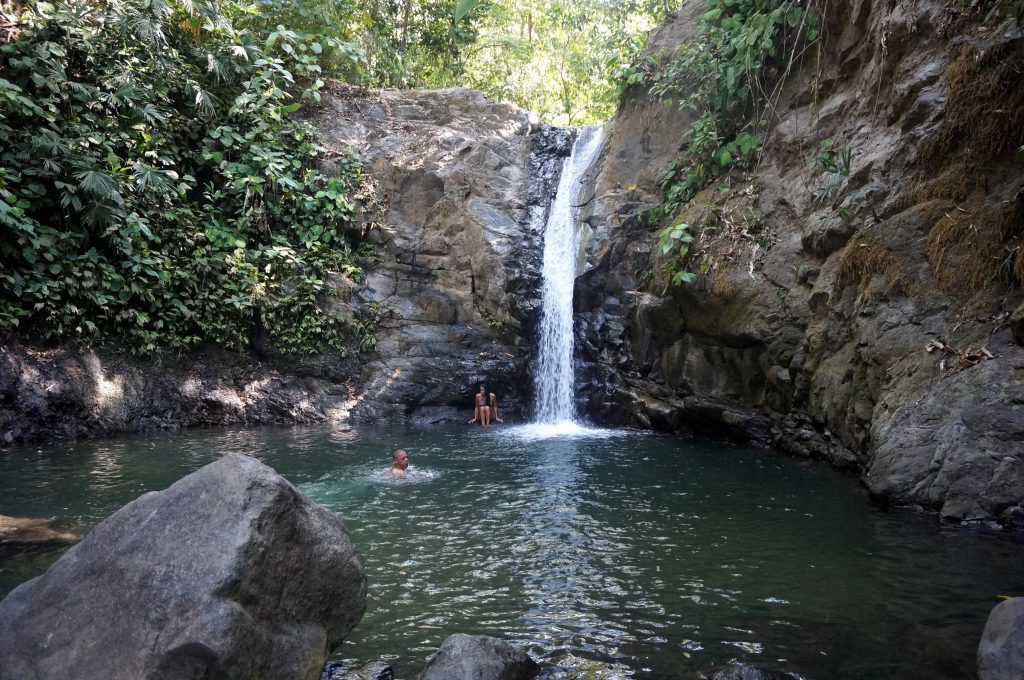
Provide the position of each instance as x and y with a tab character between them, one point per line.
230	573
479	657
1001	652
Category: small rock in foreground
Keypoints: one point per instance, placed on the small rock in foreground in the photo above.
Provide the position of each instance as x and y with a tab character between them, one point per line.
741	672
1001	652
375	670
479	657
22	532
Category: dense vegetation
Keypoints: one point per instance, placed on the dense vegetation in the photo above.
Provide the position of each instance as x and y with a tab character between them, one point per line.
158	185
154	186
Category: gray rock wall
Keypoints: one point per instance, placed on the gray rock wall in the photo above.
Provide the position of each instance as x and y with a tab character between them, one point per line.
464	183
68	392
807	329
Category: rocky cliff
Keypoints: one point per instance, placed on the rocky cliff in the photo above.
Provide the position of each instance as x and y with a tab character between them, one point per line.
872	330
464	184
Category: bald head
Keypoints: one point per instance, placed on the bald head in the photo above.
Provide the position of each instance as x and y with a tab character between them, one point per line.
400	458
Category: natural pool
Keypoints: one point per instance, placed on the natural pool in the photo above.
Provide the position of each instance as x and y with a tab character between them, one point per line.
662	554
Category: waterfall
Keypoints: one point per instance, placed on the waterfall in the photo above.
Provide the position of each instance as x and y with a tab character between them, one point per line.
553	377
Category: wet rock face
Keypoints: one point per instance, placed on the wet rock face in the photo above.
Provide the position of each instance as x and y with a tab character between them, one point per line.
807	329
230	573
465	183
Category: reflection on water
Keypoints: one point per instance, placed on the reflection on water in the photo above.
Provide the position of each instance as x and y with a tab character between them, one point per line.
656	555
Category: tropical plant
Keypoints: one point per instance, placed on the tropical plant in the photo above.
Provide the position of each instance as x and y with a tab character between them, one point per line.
724	77
156	186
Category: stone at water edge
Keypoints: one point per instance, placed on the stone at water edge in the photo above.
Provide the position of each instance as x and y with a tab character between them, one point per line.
23	532
742	672
230	574
479	657
375	670
1001	652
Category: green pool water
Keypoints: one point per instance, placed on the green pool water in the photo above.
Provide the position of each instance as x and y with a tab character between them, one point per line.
659	555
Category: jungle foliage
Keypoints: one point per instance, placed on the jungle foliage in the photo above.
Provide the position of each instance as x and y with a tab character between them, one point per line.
159	186
155	186
559	58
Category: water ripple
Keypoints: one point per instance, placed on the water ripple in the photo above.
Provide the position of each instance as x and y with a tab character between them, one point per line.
611	554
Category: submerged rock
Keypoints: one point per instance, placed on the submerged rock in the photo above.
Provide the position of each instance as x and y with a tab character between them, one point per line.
231	573
21	532
375	670
479	657
752	673
1001	652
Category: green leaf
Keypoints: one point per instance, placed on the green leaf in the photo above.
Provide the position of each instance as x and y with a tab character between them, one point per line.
463	8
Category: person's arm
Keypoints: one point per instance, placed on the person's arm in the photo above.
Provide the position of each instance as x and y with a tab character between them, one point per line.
494	408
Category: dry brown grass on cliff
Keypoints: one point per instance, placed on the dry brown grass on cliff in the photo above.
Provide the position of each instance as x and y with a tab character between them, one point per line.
980	242
984	123
970	250
959	256
985	108
863	258
1010	226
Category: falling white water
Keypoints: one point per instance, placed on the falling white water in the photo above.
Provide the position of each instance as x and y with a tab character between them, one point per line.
553	377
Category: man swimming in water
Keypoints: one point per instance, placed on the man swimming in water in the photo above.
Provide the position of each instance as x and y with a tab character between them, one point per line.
399	462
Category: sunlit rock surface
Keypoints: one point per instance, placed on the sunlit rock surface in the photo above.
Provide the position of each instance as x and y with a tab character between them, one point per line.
24	532
479	657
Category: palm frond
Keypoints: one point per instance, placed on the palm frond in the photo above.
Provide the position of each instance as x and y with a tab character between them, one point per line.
146	176
204	101
98	214
100	185
152	114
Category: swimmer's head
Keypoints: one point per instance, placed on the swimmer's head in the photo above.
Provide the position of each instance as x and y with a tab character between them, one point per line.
400	458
